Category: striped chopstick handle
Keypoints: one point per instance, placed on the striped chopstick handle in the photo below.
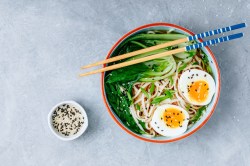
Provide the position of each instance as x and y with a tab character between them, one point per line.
216	31
214	41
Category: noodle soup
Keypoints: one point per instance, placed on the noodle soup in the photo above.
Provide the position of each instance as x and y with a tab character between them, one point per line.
140	96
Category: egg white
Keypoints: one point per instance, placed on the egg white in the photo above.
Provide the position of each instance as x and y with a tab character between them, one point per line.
186	79
159	125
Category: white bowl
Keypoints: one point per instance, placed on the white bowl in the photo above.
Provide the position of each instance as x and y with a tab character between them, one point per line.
82	129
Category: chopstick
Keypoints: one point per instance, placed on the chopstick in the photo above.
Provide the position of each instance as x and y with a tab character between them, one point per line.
167	53
164	45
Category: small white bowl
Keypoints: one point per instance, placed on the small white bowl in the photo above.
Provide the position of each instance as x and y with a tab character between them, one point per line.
82	129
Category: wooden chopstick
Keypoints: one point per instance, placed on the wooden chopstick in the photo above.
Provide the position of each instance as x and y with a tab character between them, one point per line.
124	64
124	56
167	53
189	38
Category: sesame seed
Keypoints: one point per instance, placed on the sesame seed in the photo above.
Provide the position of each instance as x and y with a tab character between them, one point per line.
64	117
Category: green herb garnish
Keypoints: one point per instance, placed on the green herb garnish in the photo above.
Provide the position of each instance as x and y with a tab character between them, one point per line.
182	67
137	107
152	88
198	114
169	93
171	80
145	92
159	99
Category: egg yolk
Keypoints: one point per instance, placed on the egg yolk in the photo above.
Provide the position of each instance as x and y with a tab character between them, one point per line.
173	117
198	91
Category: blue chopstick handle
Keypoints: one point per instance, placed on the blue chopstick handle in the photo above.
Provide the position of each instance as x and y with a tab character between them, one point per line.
214	41
217	31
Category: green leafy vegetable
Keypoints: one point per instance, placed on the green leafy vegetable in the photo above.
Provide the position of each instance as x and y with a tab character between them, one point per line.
159	99
120	104
137	107
158	37
169	93
171	80
198	114
152	88
195	63
129	73
182	67
145	92
209	70
142	124
139	44
192	53
129	97
205	63
205	58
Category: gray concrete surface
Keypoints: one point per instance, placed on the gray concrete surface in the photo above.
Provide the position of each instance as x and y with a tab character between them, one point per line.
42	46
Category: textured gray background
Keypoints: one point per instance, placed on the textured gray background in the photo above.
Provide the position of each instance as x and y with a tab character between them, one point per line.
42	46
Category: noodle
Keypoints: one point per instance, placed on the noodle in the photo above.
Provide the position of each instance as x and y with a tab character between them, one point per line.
147	110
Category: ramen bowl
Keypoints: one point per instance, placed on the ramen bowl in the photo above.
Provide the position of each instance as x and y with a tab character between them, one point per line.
210	108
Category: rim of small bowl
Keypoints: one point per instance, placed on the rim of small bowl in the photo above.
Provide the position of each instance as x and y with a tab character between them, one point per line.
112	114
83	128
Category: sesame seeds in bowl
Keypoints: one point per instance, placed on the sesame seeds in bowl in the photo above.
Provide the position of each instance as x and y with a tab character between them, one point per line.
67	120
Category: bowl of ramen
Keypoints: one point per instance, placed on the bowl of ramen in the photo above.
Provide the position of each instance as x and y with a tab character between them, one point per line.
161	100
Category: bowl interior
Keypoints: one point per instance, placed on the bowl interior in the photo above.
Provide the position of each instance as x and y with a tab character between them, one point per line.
211	106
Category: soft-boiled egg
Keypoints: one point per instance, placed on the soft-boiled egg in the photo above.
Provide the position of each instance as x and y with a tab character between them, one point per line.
197	86
170	120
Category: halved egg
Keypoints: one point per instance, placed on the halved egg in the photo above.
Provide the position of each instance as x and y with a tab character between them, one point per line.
197	86
170	120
